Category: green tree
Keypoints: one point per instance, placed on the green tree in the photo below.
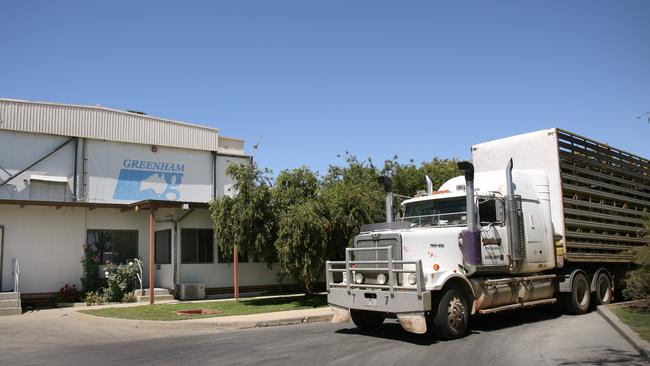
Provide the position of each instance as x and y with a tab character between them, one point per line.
245	220
302	243
637	282
351	197
409	178
295	186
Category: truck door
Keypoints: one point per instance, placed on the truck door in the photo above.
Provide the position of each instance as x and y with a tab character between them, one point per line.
493	232
534	232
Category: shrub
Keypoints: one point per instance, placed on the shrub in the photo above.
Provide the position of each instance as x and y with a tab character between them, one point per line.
129	297
637	282
91	262
68	293
94	298
120	279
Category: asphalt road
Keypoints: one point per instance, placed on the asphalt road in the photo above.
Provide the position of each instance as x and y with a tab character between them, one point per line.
530	337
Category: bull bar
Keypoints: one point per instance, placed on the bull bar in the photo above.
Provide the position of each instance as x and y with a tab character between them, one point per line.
391	297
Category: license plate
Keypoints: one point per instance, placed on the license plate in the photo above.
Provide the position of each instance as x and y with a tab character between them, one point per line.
370	301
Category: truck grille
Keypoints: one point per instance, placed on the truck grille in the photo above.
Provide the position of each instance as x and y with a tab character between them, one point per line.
377	241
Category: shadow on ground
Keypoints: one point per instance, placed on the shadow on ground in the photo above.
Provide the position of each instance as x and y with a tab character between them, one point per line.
482	323
606	356
513	318
392	330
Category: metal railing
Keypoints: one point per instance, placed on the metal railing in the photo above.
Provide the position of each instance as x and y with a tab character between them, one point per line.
139	274
393	282
16	275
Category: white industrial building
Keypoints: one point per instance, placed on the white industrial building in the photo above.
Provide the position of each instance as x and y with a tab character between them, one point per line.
72	175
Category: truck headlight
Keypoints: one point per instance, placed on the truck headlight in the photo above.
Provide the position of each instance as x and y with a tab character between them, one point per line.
359	278
412	279
382	279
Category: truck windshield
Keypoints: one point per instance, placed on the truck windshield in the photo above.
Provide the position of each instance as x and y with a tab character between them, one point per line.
442	212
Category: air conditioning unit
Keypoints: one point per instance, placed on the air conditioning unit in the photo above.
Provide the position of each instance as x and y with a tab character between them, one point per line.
192	291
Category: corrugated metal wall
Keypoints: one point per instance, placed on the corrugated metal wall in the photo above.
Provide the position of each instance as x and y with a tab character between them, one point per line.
104	124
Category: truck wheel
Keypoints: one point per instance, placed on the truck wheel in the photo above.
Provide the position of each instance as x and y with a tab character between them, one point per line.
604	291
577	301
367	321
452	315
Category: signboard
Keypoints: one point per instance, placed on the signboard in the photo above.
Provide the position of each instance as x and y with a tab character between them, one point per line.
122	173
143	179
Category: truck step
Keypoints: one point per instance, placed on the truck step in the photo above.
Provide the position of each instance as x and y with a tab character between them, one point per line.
517	306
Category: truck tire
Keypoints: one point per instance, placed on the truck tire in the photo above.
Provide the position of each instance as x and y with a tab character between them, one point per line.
604	293
451	318
577	301
368	321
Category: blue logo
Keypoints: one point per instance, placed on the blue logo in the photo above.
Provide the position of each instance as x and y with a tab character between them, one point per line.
142	180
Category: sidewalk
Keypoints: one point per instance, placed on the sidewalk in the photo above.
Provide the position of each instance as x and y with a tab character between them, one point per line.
625	331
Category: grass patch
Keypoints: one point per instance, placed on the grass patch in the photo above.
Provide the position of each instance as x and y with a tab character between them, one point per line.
636	317
219	308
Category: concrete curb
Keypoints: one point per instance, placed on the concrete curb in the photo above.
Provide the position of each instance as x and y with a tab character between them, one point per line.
273	323
625	331
261	320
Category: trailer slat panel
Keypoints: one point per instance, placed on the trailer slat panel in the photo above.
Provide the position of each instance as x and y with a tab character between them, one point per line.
606	195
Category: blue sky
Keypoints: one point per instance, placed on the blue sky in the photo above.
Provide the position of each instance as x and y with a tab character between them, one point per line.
309	80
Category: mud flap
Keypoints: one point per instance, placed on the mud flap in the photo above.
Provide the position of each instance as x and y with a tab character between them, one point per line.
413	322
340	315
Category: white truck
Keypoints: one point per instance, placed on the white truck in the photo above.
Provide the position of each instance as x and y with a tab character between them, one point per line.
537	218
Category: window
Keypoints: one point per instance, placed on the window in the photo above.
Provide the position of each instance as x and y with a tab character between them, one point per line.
116	246
436	212
163	250
488	210
197	246
48	191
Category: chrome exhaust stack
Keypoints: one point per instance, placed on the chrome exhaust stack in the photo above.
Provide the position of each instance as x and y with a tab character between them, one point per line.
515	231
388	188
470	238
429	185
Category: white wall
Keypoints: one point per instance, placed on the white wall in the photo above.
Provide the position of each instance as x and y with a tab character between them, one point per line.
19	150
48	243
116	172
